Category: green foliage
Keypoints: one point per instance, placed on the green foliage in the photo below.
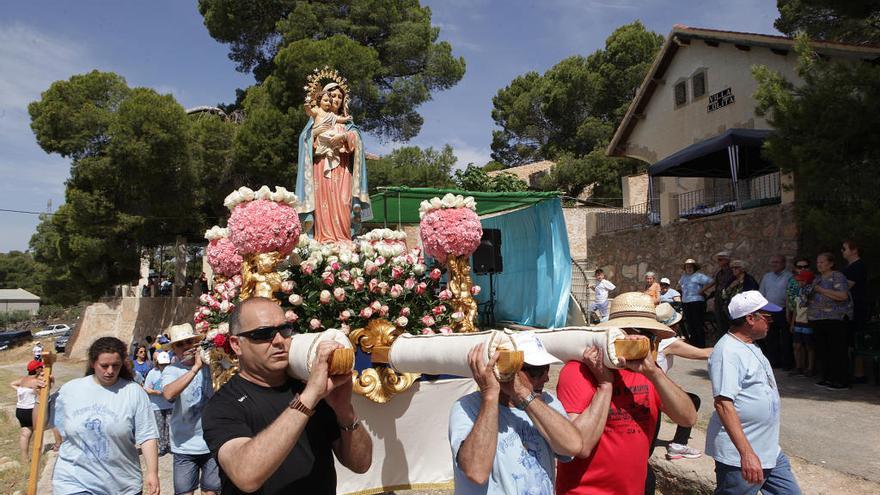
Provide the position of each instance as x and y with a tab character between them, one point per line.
493	166
570	113
576	105
20	270
474	178
826	134
387	49
573	174
412	166
852	21
13	317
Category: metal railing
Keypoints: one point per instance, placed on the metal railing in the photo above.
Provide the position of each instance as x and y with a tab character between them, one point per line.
581	276
722	197
647	213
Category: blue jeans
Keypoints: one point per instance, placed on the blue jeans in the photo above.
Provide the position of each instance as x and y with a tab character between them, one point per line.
186	473
777	481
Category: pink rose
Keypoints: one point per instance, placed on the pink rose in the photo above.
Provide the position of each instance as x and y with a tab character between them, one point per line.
421	288
383	311
314	323
358	284
370	268
475	290
205	299
287	286
409	283
324	297
396	290
445	330
199	317
458	316
404	311
402	321
295	299
236	280
339	294
327	278
383	288
427	331
380	260
334	266
202	326
428	321
307	268
208	312
345	315
366	312
376	305
435	274
396	272
373	285
445	295
438	310
345	276
290	316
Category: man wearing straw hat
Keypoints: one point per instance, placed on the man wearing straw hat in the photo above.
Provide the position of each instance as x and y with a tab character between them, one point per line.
616	411
506	437
271	433
187	384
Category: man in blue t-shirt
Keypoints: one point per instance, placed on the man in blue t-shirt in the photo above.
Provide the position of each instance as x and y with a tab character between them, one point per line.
506	437
187	384
743	434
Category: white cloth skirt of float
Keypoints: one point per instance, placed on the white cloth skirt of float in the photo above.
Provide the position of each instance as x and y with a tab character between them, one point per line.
304	348
569	343
447	354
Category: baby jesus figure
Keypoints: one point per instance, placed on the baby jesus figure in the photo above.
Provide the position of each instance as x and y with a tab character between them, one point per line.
324	130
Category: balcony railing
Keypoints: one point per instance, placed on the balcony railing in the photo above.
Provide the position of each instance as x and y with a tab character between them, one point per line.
722	197
647	213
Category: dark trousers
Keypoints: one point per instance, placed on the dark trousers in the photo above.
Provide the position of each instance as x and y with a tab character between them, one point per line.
695	320
832	354
683	433
777	345
722	324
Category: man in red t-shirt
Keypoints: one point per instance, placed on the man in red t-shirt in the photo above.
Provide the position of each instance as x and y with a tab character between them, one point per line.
616	411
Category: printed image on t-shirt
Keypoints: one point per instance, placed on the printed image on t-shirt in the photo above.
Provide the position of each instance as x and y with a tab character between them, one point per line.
96	419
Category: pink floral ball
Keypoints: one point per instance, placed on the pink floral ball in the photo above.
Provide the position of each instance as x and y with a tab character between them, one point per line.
263	226
223	257
446	231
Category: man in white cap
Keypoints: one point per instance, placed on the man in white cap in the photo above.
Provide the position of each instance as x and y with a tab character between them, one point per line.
743	434
506	437
187	384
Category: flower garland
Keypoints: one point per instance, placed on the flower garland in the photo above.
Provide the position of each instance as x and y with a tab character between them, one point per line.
450	226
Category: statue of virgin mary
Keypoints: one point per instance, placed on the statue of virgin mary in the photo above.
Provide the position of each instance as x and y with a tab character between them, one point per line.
331	184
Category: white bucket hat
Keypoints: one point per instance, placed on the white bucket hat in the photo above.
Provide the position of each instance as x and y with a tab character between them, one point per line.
534	353
179	333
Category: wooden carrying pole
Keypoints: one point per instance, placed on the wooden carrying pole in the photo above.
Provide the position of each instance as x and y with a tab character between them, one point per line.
40	425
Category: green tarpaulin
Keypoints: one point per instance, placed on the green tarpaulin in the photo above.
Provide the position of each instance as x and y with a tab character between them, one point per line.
401	204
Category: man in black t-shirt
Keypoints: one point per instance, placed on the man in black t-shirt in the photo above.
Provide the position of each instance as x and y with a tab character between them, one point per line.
856	274
272	434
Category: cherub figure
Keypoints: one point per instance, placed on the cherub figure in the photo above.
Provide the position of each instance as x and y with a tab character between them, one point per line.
259	278
324	129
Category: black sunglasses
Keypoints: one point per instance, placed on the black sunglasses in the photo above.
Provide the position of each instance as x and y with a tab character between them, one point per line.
264	334
536	371
802	266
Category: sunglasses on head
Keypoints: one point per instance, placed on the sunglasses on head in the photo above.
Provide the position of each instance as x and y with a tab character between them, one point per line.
536	371
762	315
264	334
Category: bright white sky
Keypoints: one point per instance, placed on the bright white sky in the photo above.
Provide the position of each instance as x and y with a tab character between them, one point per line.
162	44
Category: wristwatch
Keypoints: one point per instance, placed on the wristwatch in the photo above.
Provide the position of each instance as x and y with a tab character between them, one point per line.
297	405
522	405
351	427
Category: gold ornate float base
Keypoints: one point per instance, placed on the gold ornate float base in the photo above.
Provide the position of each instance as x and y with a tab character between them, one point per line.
223	367
379	383
460	284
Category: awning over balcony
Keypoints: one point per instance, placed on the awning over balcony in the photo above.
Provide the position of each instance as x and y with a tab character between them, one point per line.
735	154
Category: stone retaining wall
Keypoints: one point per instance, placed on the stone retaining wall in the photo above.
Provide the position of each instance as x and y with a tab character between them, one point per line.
129	319
752	235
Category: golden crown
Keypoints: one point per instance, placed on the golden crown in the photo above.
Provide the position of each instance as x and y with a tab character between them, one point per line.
319	77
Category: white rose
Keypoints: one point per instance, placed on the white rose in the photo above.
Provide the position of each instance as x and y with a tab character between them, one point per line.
263	193
223	328
224	306
247	194
303	241
436	203
233	199
295	299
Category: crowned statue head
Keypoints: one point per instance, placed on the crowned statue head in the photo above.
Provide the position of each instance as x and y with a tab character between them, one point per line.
328	82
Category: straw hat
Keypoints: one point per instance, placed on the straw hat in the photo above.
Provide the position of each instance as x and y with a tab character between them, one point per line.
179	333
636	310
738	264
691	261
722	254
666	314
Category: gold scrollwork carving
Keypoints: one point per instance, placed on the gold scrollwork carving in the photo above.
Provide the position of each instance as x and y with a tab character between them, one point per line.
460	284
379	383
223	367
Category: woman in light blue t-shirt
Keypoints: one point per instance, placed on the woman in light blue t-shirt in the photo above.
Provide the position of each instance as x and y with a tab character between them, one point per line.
103	418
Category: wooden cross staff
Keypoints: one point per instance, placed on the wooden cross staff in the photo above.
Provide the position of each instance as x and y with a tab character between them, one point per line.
40	425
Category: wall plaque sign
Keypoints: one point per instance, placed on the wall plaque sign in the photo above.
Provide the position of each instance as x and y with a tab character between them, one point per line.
720	99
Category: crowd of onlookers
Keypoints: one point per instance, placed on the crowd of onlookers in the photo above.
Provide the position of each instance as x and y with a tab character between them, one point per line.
162	286
823	300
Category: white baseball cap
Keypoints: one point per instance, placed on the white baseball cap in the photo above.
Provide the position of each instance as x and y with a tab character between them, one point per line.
162	357
534	353
746	303
665	280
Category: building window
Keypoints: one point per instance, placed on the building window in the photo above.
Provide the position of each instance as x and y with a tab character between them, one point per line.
681	96
699	84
